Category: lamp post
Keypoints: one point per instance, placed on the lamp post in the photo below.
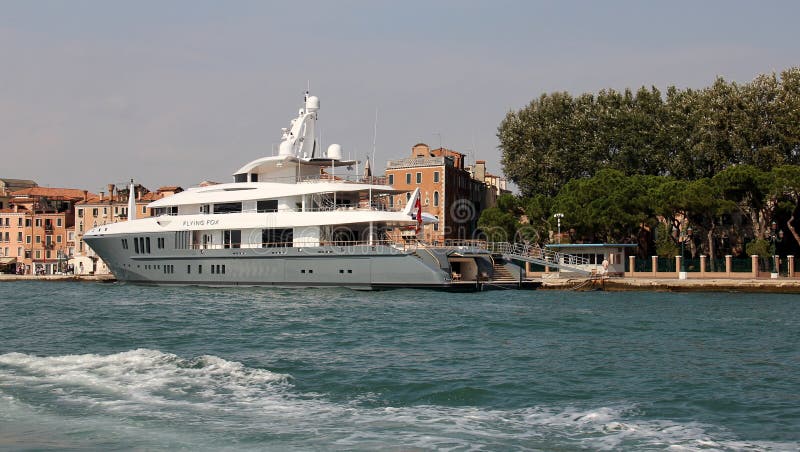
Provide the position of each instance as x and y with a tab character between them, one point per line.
558	217
775	236
684	235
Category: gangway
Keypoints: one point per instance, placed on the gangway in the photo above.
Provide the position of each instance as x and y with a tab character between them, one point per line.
541	256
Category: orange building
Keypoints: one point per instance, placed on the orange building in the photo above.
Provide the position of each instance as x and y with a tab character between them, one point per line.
34	230
104	208
447	191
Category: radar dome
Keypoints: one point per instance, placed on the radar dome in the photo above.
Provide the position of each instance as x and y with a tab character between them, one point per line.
312	103
335	152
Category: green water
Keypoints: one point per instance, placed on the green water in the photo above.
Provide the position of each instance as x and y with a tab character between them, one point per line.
111	366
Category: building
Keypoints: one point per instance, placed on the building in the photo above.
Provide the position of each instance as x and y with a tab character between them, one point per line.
7	186
496	185
447	191
34	229
104	208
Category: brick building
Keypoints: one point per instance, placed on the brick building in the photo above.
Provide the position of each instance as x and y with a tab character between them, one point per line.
447	191
35	229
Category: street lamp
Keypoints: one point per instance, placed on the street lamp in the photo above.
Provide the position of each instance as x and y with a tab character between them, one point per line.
684	235
558	217
775	236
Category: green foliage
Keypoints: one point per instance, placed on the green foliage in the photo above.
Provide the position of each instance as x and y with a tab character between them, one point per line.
759	247
665	242
687	134
498	225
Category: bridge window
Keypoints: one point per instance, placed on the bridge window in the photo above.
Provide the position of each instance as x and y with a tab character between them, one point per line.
267	205
228	207
232	238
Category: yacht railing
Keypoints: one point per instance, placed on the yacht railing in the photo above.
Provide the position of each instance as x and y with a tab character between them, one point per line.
342	178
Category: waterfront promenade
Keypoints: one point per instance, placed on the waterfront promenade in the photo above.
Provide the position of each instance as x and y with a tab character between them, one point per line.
616	284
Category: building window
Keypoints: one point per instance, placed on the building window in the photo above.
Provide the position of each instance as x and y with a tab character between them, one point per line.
408	196
419	178
27	222
19	237
38	254
94	212
38	222
436	198
58	239
80	213
28	239
58	222
436	176
47	254
38	239
408	178
19	221
105	210
391	179
391	201
144	209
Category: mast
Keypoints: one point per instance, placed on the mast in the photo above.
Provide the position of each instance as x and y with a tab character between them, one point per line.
131	202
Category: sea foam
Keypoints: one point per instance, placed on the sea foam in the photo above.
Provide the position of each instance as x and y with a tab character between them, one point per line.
216	402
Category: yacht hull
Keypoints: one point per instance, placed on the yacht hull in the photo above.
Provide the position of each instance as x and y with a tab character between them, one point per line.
358	267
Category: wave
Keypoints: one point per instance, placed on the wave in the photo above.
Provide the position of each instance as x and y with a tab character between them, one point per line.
209	402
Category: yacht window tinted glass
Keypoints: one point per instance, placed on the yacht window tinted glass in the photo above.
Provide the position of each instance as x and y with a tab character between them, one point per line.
269	205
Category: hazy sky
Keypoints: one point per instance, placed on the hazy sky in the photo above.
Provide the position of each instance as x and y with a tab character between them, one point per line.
175	92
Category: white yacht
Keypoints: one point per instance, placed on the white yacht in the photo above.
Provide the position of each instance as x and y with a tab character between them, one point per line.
300	218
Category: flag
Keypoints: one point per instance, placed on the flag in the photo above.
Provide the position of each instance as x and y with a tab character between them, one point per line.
418	205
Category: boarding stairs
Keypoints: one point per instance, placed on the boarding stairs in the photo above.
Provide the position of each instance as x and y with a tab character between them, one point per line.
541	256
501	275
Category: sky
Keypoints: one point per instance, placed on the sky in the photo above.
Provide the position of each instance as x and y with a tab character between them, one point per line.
173	92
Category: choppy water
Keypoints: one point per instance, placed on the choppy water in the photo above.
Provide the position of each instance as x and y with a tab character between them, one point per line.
94	366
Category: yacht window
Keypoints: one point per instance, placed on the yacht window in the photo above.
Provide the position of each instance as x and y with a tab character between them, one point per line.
276	237
232	238
205	208
240	177
136	245
228	207
268	205
254	177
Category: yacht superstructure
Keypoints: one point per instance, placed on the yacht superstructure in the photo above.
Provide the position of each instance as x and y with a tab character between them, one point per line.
299	218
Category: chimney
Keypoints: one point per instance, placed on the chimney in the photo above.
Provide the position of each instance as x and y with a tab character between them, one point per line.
101	196
480	171
110	192
139	195
85	195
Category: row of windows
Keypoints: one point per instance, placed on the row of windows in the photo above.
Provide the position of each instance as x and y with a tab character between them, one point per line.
48	223
6	237
408	196
218	269
418	178
117	211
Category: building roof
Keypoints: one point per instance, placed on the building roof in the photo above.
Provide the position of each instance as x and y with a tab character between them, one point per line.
53	193
25	182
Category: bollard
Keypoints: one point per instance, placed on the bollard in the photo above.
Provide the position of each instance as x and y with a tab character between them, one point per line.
678	268
631	265
790	263
654	261
754	265
728	265
703	265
